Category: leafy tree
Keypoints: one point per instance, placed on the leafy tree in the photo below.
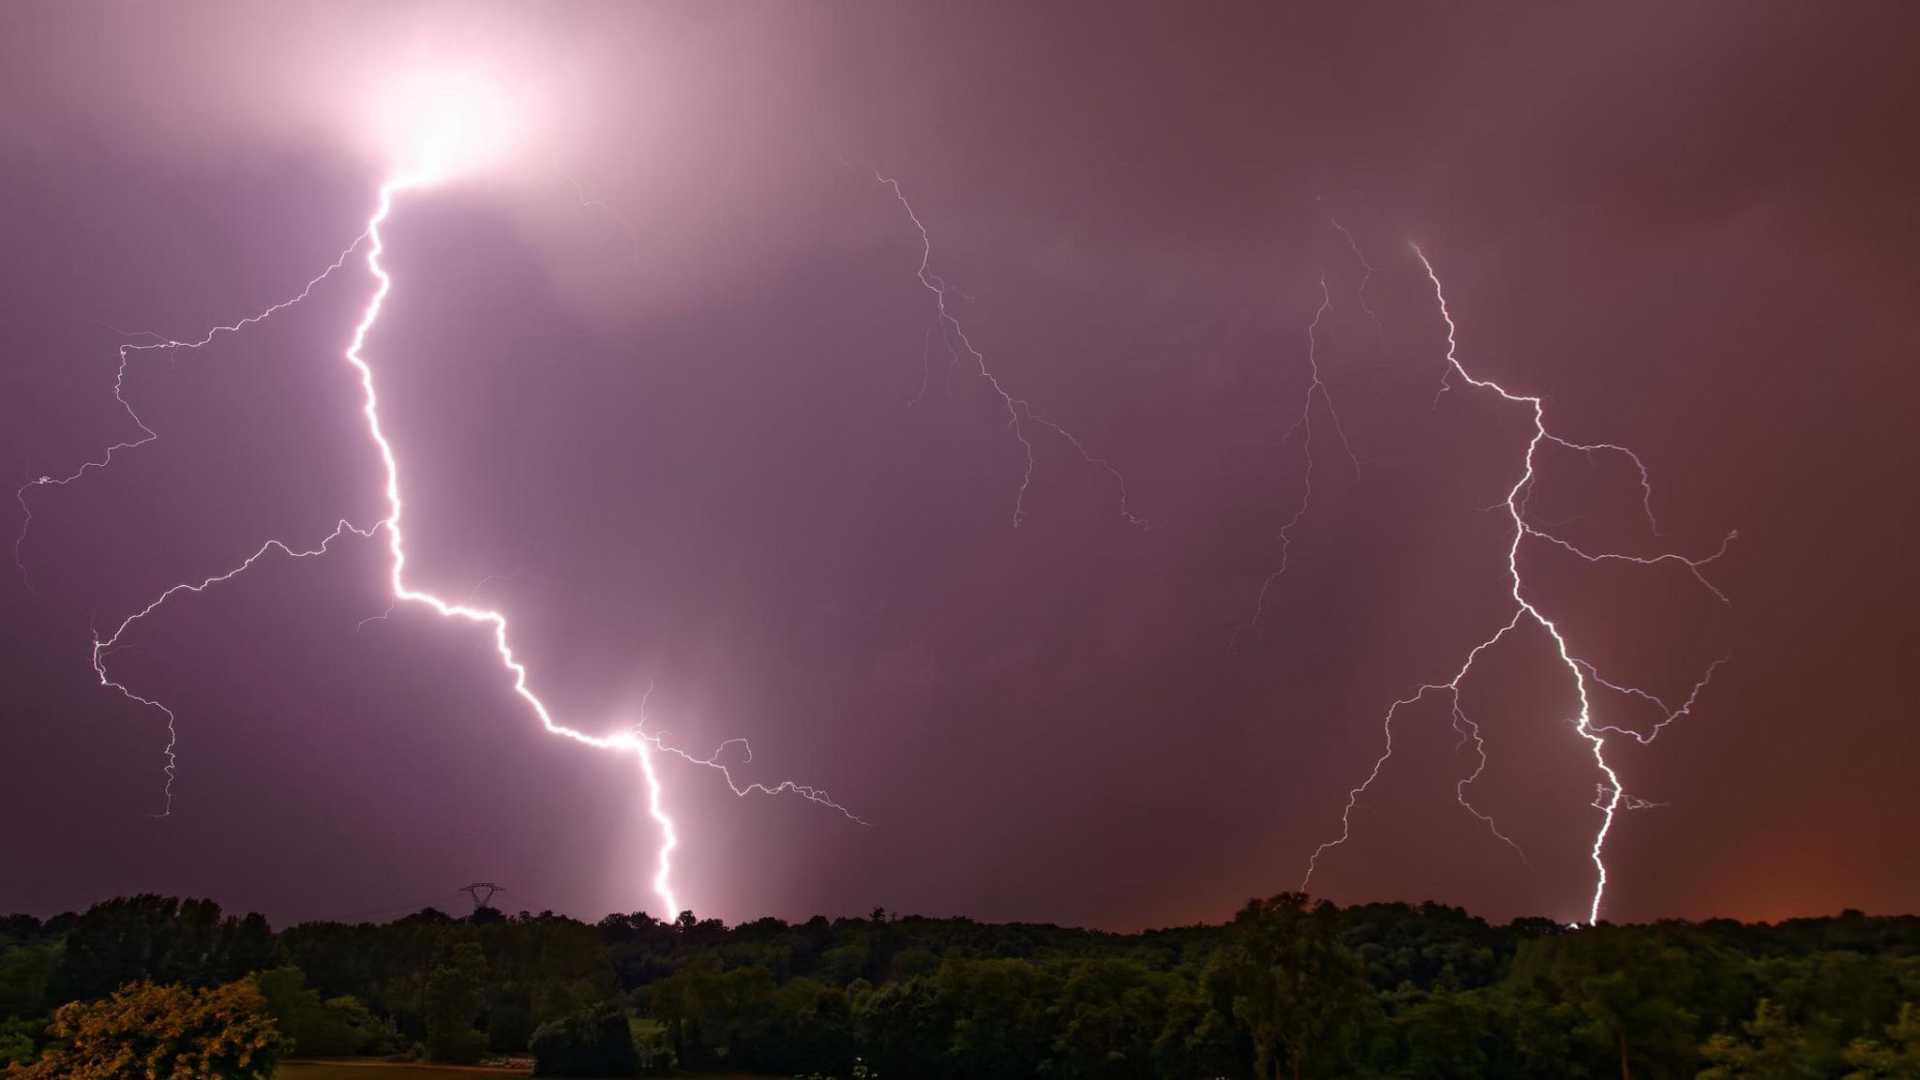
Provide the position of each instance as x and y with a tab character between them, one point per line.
653	1044
596	1042
509	1025
455	996
1449	1036
1108	1016
847	962
162	939
812	1027
1899	1056
26	977
1430	946
1001	1009
336	1027
154	1032
1379	990
1629	987
18	1042
1776	1048
346	1027
1198	1036
1301	996
904	1027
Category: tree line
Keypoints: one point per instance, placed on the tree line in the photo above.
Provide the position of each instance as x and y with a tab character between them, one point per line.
1290	987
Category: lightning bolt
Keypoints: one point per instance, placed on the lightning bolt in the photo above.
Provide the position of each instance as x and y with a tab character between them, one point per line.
147	434
1469	732
1316	390
1367	271
1668	713
636	739
669	835
102	647
1611	796
1020	411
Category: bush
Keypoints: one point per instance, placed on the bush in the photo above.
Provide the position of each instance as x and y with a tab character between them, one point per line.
145	1030
337	1027
16	1042
596	1042
654	1043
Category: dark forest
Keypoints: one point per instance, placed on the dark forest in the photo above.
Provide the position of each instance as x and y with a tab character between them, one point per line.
1290	987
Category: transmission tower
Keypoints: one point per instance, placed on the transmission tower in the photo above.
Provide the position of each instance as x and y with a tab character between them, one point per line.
482	893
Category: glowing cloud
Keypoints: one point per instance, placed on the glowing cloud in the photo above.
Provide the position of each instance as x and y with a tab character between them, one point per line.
435	125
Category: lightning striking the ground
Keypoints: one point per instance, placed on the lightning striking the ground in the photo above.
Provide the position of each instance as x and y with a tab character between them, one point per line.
634	739
1020	411
1612	796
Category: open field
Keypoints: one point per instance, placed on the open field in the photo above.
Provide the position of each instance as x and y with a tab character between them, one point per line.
383	1070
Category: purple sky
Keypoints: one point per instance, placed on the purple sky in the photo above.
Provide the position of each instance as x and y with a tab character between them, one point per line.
649	379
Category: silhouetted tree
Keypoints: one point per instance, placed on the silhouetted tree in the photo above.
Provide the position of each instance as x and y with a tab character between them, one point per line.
1301	996
456	994
596	1042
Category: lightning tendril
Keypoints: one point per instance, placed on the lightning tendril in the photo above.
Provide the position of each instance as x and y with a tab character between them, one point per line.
1316	391
1612	796
1020	411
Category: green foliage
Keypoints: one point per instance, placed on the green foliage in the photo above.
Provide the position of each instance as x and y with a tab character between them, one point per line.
1299	994
1897	1056
1450	1036
26	978
1638	998
509	1025
1775	1047
158	938
544	967
19	1041
336	1027
858	1071
653	1044
596	1042
1429	946
1290	987
455	996
1109	1016
1493	1031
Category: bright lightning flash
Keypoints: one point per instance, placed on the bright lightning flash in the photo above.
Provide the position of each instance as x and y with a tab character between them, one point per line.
454	125
1611	797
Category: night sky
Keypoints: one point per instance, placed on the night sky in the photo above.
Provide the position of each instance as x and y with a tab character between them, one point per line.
665	389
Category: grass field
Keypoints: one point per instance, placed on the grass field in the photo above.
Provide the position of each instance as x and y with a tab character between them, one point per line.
381	1070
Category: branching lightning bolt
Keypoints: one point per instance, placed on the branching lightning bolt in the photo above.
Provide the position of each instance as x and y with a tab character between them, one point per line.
1668	713
1612	796
1020	412
102	647
1366	276
1316	390
1470	732
147	434
637	740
